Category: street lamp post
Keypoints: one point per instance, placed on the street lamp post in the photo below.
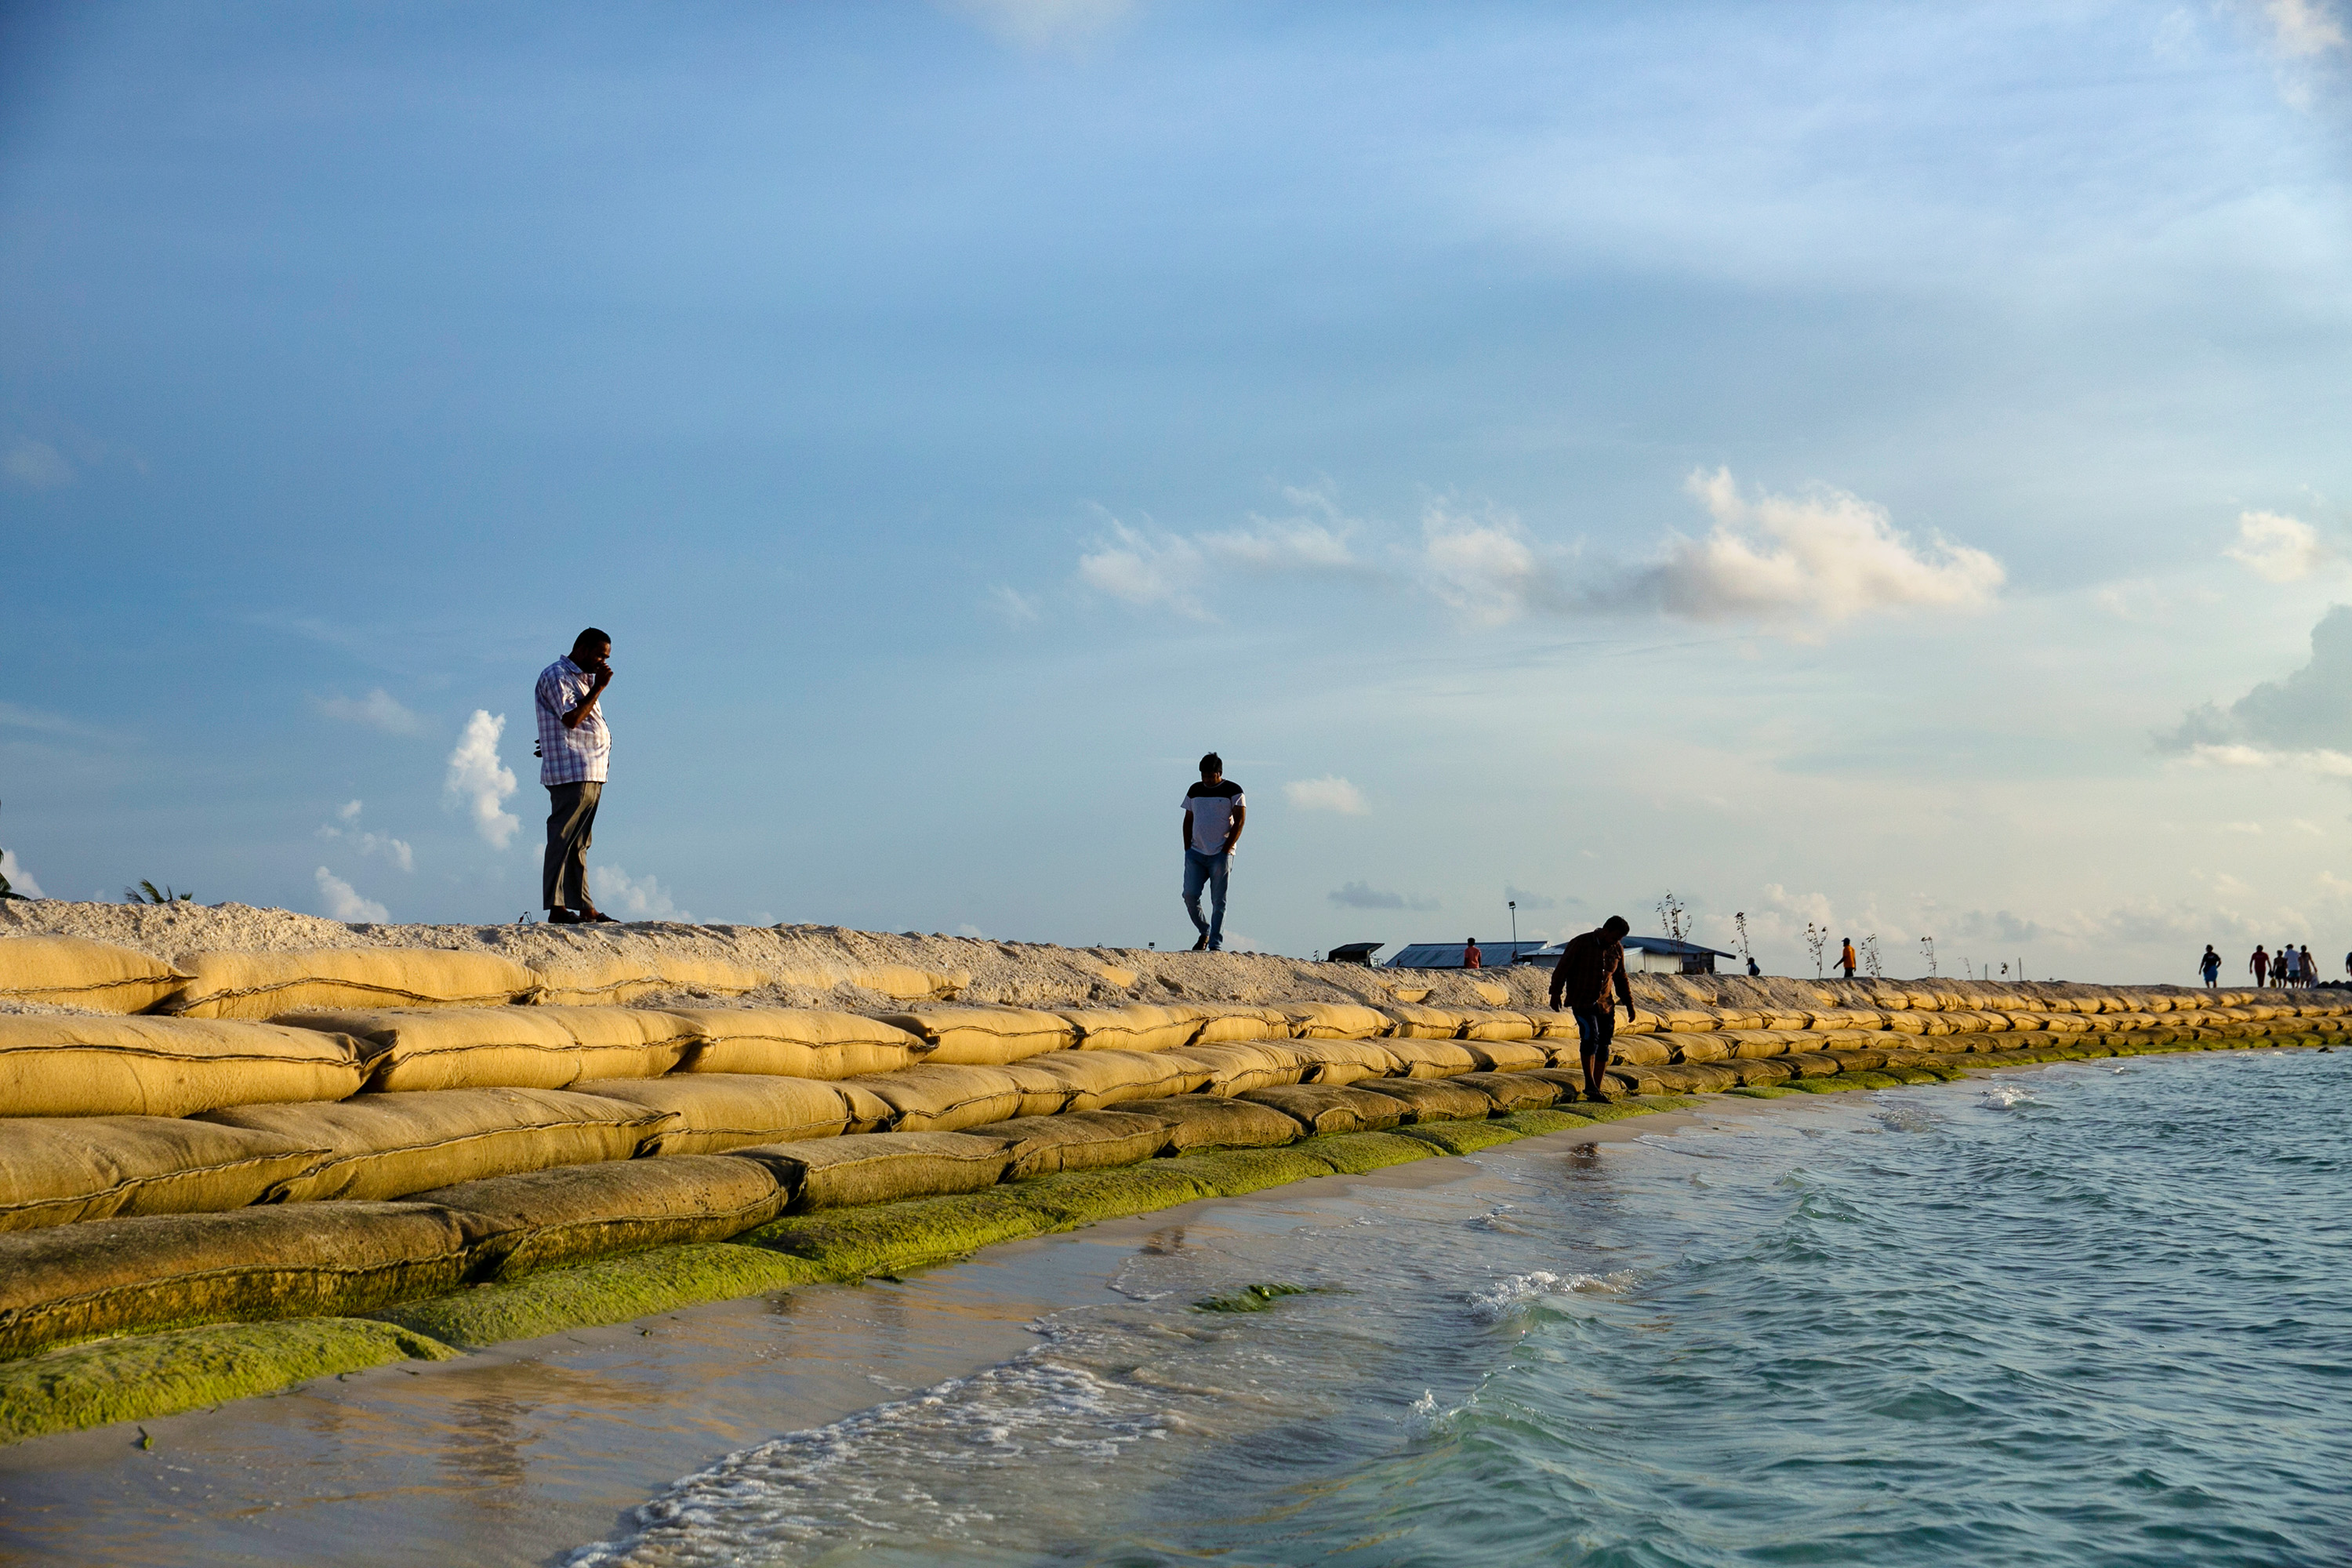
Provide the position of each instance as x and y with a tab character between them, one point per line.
1515	931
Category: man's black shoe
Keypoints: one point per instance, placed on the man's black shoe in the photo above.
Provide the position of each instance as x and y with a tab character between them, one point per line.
563	918
1201	946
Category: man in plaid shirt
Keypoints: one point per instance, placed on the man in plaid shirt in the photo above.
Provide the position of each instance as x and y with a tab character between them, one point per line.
574	745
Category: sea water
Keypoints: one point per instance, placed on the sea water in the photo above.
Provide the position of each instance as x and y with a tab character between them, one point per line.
2100	1313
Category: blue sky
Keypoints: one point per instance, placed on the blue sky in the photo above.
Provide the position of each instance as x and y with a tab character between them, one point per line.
1845	463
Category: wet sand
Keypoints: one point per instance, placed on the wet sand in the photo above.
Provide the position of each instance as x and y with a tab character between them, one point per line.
518	1454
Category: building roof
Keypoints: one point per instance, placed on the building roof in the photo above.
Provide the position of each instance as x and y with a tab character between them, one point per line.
1448	954
1672	944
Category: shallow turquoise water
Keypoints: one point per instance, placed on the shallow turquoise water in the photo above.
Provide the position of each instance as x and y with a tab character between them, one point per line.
2100	1313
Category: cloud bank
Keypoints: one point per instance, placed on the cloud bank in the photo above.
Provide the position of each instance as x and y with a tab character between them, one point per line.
2277	548
19	879
638	898
344	903
379	709
479	782
2306	714
1329	793
1364	896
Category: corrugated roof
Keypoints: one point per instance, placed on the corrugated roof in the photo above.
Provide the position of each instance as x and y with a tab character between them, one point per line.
1448	954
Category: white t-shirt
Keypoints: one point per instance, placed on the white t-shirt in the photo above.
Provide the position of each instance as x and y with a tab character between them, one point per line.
1212	806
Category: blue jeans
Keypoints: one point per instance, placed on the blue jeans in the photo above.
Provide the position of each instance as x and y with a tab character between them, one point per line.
1209	871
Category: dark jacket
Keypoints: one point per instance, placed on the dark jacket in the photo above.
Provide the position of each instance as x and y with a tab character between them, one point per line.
1588	967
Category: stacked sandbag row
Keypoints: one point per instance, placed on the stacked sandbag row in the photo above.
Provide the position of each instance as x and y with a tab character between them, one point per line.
99	977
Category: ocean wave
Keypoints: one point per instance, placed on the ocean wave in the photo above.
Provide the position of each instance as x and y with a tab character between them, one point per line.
1503	1298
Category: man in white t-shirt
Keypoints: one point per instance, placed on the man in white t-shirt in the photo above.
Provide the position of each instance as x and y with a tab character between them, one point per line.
1214	810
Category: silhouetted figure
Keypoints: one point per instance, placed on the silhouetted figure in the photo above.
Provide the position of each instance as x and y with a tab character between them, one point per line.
1590	968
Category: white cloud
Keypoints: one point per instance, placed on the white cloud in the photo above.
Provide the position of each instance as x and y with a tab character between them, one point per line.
1017	609
1811	561
1364	896
344	903
1045	24
2276	548
1146	569
638	898
36	465
478	780
378	709
1488	569
349	811
1329	793
19	879
970	930
371	843
2324	761
2304	29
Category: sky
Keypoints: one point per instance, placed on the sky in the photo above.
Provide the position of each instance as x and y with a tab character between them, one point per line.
1879	466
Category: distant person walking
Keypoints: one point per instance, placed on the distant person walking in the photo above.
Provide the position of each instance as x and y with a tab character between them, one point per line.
2210	966
2260	963
1590	968
574	748
1847	959
1215	811
2308	966
1471	957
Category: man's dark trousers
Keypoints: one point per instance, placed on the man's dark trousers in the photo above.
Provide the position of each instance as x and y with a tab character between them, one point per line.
1596	1026
571	818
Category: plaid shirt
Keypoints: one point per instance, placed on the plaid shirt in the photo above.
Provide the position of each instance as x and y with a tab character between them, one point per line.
570	756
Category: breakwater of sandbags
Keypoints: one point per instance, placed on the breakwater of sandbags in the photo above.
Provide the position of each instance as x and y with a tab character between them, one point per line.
223	1171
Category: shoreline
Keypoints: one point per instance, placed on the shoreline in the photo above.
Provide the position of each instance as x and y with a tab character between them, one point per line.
542	1443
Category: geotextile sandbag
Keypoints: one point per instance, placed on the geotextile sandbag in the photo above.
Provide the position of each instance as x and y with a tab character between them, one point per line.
1334	1020
69	972
1238	1068
1514	1055
794	1042
710	1112
1075	1141
933	1099
60	1065
1642	1050
984	1035
1698	1077
1497	1024
1137	1028
559	1216
1702	1048
72	1282
383	1146
1809	1064
704	976
1208	1122
1346	1061
409	1049
1415	1021
1429	1059
1326	1108
264	984
880	1167
1857	1061
589	979
1094	1079
1223	1024
62	1169
1512	1091
1433	1099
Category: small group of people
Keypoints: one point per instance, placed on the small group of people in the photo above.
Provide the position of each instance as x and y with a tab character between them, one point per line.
2289	966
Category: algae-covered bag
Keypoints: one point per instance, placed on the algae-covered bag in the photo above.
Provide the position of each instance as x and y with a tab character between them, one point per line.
1326	1108
1139	1028
72	1282
712	1112
60	1065
1334	1020
983	1037
545	1218
59	1170
881	1167
1079	1141
1207	1122
1512	1091
263	984
388	1145
795	1042
1515	1054
1433	1099
505	1047
69	972
930	1098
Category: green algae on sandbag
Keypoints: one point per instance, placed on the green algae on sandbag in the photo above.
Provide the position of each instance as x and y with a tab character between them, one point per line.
1839	1083
1073	1198
1328	1107
1541	1123
1764	1090
1462	1137
1511	1091
1230	1172
140	1376
294	1261
1210	1122
608	1290
1357	1153
1075	1141
1432	1099
545	1218
882	1167
892	1238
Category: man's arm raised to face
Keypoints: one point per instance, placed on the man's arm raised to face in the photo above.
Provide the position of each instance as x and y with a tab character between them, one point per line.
597	667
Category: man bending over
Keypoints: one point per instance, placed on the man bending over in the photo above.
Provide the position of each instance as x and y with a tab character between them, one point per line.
1591	966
